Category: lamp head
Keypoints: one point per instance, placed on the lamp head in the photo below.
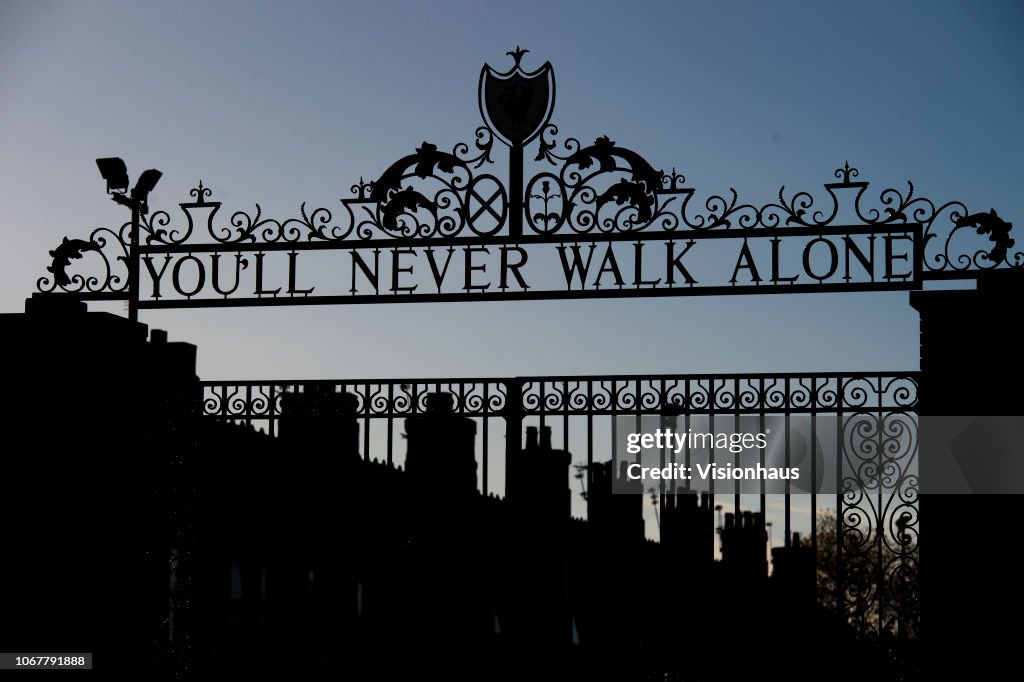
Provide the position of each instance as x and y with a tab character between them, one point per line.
147	181
114	172
145	184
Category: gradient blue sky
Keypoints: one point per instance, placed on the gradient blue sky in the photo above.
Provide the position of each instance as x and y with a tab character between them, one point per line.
288	102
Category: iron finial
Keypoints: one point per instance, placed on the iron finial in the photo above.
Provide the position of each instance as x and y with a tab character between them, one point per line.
517	54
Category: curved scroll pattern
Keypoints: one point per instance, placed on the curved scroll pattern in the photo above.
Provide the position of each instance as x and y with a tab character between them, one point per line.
105	254
429	193
432	194
725	394
879	523
599	188
607	188
602	187
582	396
392	399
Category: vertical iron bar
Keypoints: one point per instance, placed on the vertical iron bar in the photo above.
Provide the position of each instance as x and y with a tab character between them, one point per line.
391	421
273	411
515	191
761	458
880	521
541	406
513	426
814	470
485	419
788	502
565	416
711	429
840	605
637	407
590	441
366	421
248	406
133	262
672	422
736	429
686	423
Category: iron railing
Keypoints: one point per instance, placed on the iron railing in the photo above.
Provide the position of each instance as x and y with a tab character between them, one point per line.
862	424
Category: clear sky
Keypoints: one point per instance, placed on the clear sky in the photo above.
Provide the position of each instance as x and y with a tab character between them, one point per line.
280	103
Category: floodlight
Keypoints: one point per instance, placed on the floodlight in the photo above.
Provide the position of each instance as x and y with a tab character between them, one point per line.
115	173
147	181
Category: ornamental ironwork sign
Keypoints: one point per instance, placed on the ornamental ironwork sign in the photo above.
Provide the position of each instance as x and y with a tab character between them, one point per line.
591	220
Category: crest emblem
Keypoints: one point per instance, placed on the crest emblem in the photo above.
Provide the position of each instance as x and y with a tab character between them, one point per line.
516	104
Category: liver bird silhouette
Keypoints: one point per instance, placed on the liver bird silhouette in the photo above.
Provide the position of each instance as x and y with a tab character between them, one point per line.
604	152
404	201
62	255
997	229
634	193
387	190
424	161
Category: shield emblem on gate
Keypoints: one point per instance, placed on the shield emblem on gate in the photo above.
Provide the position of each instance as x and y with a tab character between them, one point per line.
516	104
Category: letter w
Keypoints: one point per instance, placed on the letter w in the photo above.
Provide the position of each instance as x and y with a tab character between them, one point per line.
577	266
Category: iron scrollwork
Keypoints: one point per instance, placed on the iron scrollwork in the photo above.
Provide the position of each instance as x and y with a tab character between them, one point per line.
111	258
432	194
878	525
604	175
603	188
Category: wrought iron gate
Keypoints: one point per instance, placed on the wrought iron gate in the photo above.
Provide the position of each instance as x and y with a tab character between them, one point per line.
607	224
869	573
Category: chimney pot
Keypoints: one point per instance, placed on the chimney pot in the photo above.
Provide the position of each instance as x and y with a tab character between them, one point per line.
531	438
545	439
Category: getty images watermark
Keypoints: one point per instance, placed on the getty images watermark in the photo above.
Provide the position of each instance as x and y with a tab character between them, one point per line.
885	453
701	454
667	440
